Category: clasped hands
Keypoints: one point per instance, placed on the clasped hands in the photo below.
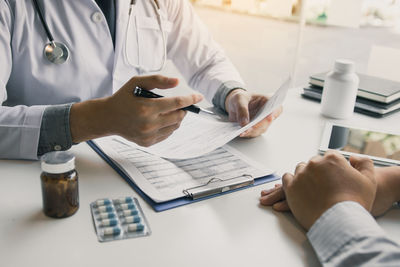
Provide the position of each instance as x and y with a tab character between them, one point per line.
327	180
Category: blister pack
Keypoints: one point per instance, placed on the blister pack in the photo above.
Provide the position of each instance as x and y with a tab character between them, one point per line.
116	219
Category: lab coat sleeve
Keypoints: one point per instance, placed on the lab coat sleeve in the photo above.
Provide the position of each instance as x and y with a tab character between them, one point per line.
19	125
198	57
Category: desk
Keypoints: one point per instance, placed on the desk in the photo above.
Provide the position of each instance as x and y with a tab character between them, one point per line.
231	230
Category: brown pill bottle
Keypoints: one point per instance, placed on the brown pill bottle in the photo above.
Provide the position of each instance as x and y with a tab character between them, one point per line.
59	181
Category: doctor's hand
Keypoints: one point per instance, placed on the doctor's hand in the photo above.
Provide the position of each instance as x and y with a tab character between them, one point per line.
145	121
320	184
243	106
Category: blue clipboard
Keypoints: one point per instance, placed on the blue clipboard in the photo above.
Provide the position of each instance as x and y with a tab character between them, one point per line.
162	206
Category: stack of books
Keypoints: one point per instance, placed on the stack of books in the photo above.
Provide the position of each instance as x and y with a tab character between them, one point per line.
376	97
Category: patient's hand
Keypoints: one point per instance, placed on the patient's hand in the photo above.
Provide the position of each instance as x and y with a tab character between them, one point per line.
275	197
321	183
388	191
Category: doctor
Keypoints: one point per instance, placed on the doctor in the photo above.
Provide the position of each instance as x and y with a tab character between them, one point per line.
67	67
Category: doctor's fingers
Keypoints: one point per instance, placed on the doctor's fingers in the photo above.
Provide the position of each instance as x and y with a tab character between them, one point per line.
153	81
257	129
156	136
263	125
165	132
170	118
241	109
167	104
150	129
256	103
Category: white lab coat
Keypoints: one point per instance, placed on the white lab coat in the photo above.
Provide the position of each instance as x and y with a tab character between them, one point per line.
28	82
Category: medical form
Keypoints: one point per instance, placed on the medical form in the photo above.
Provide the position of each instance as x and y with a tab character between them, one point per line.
166	179
199	135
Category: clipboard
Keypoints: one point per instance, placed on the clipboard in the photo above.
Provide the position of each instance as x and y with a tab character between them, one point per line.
214	187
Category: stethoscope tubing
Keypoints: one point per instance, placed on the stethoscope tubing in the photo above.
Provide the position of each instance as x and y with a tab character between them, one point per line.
59	59
44	23
55	52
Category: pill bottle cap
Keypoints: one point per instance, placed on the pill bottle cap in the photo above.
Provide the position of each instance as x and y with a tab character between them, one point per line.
58	162
344	65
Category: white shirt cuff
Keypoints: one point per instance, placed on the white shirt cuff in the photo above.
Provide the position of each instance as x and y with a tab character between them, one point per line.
338	226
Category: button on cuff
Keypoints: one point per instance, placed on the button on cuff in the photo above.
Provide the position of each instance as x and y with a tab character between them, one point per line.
55	134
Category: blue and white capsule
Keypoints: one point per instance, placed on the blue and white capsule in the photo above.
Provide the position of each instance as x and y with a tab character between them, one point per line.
135	227
109	222
132	212
107	215
132	219
127	206
124	200
105	209
111	231
103	202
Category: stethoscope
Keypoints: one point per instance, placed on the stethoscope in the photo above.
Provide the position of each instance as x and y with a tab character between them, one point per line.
55	52
58	53
156	7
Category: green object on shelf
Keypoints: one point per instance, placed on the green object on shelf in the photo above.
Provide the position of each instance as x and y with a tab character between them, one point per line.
322	17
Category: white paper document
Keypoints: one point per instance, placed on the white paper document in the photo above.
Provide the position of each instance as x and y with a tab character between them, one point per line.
164	180
199	135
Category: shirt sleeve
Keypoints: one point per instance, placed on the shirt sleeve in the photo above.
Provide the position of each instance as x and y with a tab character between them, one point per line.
347	235
55	132
197	56
223	91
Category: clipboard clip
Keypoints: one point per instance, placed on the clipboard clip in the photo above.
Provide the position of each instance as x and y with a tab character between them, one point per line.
217	185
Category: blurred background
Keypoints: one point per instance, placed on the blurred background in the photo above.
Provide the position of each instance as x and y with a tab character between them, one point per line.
266	42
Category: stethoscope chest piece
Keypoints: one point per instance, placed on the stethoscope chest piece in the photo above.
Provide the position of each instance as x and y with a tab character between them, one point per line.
56	52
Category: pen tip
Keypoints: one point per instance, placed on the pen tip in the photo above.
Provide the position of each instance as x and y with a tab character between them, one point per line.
207	111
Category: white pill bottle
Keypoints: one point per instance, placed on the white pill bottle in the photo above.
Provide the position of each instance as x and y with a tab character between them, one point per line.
340	90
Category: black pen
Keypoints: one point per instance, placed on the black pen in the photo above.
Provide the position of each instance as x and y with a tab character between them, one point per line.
149	94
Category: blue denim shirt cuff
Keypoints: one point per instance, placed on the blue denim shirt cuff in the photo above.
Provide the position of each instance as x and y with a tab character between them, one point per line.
223	91
55	131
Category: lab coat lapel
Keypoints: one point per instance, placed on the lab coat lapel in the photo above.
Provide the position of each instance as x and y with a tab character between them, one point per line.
122	8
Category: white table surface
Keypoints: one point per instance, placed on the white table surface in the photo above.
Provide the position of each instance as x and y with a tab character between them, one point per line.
231	230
